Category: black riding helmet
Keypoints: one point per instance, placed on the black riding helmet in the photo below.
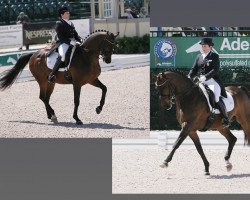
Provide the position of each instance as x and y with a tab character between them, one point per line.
207	41
62	10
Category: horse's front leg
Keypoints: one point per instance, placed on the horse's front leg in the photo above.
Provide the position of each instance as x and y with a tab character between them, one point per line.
180	139
77	92
193	135
99	84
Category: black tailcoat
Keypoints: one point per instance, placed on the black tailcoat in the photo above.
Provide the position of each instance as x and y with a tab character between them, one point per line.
208	67
65	32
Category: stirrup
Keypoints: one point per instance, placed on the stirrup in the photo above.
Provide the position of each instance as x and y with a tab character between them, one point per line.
51	78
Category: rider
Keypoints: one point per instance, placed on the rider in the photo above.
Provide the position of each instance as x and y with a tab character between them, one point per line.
206	66
67	36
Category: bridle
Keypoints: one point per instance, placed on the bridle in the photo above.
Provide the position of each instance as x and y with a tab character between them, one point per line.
103	45
171	89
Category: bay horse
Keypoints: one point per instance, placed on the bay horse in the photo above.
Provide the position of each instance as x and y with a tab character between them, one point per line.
84	68
192	112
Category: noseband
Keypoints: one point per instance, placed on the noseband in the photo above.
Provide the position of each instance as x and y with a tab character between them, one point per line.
171	95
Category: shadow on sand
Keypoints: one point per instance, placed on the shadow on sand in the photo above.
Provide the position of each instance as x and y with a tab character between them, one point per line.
89	125
232	176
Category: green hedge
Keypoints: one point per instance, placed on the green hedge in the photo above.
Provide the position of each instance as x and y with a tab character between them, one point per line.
128	45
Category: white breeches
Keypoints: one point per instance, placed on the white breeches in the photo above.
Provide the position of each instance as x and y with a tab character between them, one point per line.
214	86
62	49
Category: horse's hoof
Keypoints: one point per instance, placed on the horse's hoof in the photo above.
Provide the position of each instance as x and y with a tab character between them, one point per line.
207	173
229	167
164	165
53	119
79	122
98	110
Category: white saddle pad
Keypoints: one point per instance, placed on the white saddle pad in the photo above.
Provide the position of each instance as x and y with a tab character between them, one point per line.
229	101
51	60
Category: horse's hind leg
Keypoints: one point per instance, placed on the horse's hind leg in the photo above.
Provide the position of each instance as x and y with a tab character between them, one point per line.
231	142
246	129
99	84
245	124
45	93
197	143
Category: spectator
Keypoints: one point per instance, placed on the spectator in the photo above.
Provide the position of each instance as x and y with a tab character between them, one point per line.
143	12
128	13
22	18
134	12
214	31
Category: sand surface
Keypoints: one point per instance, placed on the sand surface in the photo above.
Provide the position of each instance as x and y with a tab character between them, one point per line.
137	171
125	114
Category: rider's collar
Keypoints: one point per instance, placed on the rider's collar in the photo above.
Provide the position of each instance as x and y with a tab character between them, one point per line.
69	22
204	55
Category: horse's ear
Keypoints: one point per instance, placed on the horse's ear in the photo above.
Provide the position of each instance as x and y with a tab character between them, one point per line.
112	35
117	34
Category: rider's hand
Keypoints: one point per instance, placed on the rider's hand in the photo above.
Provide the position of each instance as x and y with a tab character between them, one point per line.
73	42
202	79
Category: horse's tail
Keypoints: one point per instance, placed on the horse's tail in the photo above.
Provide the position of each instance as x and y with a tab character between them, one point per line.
245	90
8	77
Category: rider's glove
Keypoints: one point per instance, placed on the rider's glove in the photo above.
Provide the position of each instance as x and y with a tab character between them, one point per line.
73	42
202	79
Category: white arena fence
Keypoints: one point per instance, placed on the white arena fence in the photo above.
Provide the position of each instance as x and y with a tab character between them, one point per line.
166	140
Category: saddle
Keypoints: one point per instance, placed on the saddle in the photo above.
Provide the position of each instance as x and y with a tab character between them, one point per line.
54	48
52	54
50	49
210	96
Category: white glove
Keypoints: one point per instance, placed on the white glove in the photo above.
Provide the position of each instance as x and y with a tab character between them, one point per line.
202	79
73	42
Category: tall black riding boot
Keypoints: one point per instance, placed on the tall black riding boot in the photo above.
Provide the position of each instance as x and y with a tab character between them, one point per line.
55	69
225	121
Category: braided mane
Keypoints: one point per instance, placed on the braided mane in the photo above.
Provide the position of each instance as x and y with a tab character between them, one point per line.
176	71
94	33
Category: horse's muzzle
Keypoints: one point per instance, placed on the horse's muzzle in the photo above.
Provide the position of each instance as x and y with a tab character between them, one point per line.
166	106
107	60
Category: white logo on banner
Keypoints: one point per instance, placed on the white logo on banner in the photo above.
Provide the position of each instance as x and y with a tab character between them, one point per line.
11	36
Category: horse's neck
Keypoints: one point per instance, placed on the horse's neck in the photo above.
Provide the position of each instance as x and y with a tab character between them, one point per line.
186	92
94	44
182	85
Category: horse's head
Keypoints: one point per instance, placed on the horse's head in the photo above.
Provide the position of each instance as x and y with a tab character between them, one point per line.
101	43
165	89
107	46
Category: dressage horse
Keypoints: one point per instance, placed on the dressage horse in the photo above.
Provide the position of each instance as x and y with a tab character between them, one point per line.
84	68
192	112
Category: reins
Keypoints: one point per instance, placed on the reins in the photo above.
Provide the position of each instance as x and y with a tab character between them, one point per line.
172	90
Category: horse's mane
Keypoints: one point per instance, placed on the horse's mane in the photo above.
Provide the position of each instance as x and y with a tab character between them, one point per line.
177	71
96	31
